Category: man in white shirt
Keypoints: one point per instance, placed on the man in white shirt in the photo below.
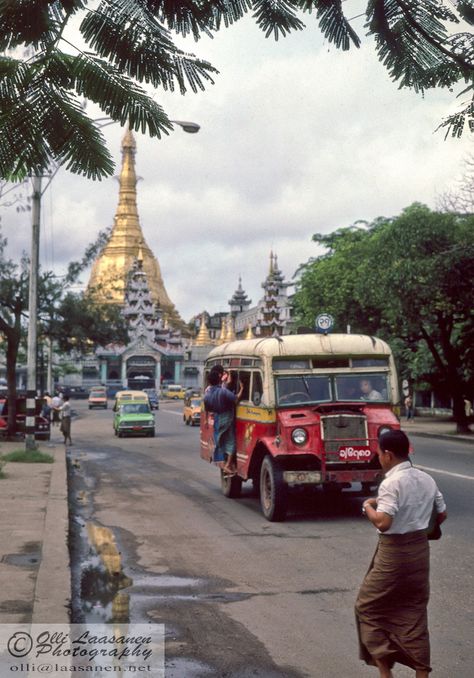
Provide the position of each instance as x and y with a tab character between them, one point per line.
56	404
391	608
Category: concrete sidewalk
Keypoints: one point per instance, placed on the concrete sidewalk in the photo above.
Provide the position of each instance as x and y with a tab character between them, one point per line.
35	583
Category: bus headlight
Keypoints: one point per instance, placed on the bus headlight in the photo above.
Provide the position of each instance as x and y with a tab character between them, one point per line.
299	436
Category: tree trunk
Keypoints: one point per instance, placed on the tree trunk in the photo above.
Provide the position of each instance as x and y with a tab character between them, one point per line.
459	412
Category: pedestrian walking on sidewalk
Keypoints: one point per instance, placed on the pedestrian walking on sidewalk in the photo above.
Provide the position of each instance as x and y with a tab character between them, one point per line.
391	608
65	427
409	409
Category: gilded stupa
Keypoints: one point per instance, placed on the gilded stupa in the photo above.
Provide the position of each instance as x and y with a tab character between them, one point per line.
126	245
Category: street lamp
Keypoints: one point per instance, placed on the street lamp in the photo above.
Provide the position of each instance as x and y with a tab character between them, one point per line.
186	126
189	127
30	445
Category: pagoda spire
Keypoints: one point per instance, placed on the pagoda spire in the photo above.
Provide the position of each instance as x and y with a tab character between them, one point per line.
203	338
127	244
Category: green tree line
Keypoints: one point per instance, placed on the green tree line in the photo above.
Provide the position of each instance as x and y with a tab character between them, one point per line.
409	280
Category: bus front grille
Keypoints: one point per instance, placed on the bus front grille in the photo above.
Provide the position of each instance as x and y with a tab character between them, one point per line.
339	430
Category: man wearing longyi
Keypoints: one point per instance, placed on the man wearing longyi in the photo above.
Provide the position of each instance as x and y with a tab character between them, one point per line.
391	608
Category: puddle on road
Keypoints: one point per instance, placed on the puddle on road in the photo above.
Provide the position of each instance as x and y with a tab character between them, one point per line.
177	668
103	580
165	581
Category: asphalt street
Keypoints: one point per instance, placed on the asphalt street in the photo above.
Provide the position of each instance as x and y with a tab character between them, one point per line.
241	596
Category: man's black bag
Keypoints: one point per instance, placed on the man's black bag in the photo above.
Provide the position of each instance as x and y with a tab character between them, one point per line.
434	530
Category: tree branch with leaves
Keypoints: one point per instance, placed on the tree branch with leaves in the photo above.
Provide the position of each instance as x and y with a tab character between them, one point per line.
129	44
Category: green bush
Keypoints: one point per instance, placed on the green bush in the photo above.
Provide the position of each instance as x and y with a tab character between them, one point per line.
22	456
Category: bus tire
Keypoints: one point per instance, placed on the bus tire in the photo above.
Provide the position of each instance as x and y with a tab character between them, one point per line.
231	486
273	491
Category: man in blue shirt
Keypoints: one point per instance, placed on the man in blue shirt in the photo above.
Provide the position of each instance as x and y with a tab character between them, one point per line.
222	401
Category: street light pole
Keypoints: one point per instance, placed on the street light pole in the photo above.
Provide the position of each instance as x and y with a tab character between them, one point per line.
30	444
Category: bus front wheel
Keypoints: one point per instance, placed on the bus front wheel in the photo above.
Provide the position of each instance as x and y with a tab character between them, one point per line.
273	491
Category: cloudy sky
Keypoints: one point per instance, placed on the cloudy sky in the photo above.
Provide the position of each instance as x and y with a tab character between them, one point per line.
296	138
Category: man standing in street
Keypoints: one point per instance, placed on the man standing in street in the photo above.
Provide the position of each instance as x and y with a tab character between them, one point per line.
391	608
66	421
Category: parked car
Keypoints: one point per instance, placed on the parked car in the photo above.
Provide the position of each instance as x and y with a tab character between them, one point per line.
42	424
174	391
153	398
134	418
98	397
78	392
192	411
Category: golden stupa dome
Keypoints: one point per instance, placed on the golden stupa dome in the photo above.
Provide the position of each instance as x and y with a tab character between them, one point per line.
126	244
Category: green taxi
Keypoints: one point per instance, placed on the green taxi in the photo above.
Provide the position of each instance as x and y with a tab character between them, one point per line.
134	418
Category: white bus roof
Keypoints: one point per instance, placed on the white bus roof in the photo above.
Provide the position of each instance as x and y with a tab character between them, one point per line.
304	344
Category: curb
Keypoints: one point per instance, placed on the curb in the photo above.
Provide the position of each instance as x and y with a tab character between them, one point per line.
53	583
441	436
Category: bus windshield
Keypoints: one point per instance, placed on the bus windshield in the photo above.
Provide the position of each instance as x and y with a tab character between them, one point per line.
303	388
368	387
299	389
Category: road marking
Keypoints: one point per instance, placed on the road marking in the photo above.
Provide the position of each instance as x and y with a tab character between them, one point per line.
177	414
446	473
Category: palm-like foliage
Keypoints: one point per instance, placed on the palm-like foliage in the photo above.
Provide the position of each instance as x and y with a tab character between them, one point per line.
129	42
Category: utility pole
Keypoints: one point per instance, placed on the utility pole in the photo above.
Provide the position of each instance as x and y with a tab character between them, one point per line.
30	443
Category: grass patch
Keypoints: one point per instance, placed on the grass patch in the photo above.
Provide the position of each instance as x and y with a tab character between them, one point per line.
31	457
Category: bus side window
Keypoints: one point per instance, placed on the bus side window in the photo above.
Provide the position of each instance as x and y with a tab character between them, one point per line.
244	377
257	388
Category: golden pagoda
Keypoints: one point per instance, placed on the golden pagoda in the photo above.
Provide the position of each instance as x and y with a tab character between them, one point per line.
230	330
249	333
224	331
203	338
126	244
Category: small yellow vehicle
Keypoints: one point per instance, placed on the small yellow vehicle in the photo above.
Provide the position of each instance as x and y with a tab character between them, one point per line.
192	410
174	391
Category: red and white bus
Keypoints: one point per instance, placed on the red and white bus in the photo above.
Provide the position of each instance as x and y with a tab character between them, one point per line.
311	411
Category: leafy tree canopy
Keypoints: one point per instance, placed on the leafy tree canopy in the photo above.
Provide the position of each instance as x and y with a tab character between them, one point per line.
423	44
407	278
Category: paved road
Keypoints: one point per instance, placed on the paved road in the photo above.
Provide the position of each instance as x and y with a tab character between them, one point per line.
240	596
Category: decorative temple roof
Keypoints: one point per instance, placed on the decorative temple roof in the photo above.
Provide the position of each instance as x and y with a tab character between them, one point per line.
239	302
126	244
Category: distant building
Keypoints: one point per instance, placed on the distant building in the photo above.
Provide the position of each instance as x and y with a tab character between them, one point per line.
271	315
